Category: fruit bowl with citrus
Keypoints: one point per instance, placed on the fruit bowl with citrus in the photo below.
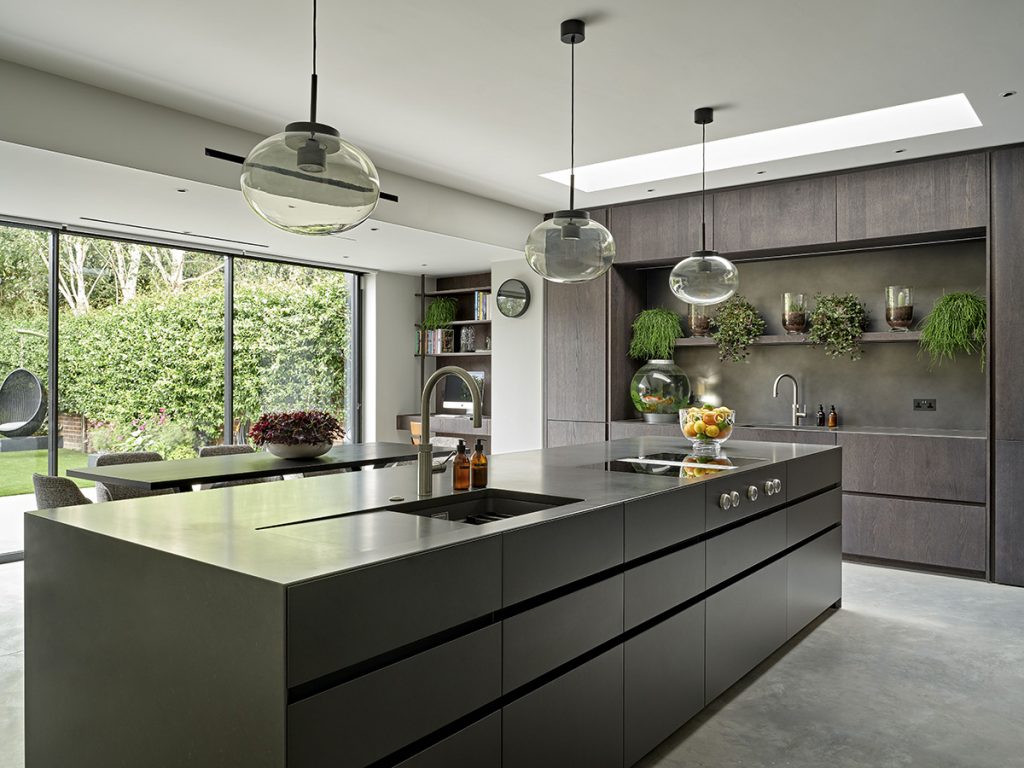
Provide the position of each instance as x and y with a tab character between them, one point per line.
707	427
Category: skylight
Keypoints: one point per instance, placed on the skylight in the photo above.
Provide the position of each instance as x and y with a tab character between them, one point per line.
877	126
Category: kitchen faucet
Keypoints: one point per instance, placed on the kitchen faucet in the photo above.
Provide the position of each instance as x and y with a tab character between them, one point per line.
797	413
425	454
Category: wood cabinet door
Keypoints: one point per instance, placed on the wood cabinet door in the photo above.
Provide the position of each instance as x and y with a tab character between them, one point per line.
1006	240
561	433
659	231
576	347
783	215
941	195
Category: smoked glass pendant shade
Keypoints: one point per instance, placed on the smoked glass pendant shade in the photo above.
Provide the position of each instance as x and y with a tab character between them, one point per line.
704	278
310	181
570	247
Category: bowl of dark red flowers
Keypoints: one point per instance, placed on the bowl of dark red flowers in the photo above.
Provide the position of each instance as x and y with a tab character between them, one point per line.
296	435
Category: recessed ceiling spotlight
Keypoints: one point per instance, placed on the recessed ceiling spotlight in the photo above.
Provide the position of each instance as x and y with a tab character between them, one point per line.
374	229
344	257
861	129
651	189
899	151
423	265
1008	94
761	173
182	189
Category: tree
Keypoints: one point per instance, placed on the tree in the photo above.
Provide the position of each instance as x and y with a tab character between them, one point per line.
171	265
126	262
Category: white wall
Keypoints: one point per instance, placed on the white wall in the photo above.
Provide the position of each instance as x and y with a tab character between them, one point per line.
390	366
517	365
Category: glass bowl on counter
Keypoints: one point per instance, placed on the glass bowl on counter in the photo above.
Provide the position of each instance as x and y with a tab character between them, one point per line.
707	427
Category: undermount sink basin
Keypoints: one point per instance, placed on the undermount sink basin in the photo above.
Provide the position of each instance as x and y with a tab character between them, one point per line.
487	505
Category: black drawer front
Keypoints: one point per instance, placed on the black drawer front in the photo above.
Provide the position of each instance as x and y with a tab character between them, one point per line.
544	557
746	622
810	474
662	584
663	680
744	547
815	574
396	603
717	516
370	717
663	520
575	720
806	518
542	638
476	746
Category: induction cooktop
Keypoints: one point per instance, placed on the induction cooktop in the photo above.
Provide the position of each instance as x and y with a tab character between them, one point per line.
679	464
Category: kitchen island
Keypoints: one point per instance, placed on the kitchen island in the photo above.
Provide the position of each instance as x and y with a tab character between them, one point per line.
578	612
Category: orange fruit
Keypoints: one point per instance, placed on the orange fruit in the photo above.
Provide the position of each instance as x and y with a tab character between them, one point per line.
711	431
710	419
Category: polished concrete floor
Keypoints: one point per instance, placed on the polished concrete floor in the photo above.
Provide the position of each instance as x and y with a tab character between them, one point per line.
915	670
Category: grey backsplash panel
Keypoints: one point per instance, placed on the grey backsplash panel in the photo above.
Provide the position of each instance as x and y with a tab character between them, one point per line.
878	389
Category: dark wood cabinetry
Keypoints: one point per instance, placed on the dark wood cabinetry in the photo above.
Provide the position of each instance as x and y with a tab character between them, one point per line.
561	433
784	215
660	231
663	680
1009	512
941	195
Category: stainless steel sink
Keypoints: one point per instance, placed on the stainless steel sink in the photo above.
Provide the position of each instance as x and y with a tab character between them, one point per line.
487	505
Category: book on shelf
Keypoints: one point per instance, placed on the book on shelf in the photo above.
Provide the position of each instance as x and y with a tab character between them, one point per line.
435	341
481	305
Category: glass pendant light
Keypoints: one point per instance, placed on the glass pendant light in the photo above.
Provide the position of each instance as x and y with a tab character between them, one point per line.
309	180
704	277
570	247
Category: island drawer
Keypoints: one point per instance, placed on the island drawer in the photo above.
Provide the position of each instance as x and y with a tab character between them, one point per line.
341	620
662	584
366	719
664	520
544	557
815	514
574	720
478	744
542	638
733	552
809	474
741	484
815	575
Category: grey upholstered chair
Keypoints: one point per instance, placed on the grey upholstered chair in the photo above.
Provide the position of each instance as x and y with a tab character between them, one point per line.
231	450
116	492
22	404
54	492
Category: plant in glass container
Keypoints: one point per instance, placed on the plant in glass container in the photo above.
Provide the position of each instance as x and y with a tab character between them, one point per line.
736	326
838	322
794	313
660	388
296	435
957	323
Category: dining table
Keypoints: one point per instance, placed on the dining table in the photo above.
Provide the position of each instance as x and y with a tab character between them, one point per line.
185	474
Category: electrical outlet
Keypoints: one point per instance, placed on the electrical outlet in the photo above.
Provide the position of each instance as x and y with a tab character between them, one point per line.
920	404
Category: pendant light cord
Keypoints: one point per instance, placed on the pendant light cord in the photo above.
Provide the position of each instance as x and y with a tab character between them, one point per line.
312	87
703	184
572	127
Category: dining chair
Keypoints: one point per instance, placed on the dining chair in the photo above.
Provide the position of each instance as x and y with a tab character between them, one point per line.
231	450
52	492
114	492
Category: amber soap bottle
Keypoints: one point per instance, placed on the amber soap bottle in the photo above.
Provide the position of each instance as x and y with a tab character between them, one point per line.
478	465
460	469
833	418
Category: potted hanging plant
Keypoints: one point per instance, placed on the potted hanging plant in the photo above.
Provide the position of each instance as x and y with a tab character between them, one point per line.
660	388
838	323
957	323
735	326
296	435
437	326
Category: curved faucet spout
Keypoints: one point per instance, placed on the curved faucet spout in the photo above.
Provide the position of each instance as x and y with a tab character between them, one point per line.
797	413
424	456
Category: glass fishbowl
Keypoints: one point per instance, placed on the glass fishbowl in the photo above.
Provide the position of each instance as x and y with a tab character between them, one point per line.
659	391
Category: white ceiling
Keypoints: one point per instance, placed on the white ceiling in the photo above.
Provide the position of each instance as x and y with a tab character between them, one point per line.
473	95
58	188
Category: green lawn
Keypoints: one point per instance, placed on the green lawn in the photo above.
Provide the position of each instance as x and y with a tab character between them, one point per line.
16	469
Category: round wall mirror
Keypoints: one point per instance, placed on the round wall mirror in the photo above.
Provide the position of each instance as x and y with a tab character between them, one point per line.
513	298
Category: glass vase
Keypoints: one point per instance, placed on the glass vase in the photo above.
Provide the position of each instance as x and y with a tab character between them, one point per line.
700	319
794	312
659	390
899	308
467	339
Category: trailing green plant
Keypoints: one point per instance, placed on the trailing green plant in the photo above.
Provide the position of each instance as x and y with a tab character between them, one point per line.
735	326
440	313
957	323
654	334
838	322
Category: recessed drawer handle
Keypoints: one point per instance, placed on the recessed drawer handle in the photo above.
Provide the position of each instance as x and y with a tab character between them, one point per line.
725	501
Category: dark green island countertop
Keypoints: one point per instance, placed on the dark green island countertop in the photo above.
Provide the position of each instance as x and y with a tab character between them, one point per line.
296	530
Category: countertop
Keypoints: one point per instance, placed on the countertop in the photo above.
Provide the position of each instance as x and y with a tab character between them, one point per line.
974	434
251	529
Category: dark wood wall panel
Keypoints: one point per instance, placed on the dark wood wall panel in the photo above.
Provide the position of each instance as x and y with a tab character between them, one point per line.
1008	520
944	535
664	230
561	433
931	196
576	352
625	301
944	468
787	214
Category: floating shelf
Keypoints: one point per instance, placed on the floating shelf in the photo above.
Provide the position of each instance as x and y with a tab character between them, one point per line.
459	354
869	337
457	291
465	322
